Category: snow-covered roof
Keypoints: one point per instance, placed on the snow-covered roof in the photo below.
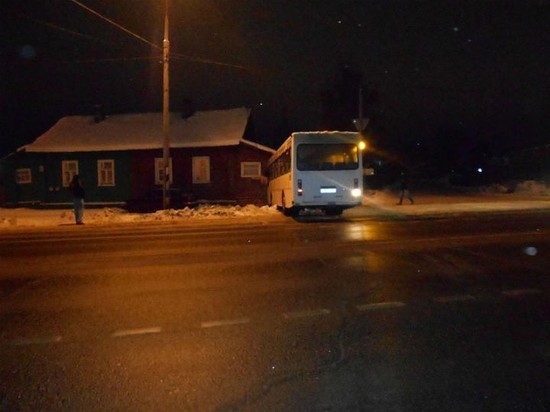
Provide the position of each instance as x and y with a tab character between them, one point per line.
144	131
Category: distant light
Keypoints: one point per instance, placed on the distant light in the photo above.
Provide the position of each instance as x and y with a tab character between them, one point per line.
531	251
261	103
362	145
339	21
27	52
456	29
479	170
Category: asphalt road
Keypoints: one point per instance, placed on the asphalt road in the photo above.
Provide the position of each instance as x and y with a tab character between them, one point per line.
310	315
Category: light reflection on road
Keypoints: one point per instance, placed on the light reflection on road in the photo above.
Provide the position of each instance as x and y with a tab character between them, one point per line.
358	232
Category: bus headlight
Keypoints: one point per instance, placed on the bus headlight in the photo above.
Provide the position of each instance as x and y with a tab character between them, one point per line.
356	192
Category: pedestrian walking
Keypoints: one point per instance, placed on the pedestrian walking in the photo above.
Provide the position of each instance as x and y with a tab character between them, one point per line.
405	191
77	190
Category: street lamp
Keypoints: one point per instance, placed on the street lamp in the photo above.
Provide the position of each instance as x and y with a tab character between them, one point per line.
166	112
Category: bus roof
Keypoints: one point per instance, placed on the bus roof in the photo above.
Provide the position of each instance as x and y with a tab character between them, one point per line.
326	132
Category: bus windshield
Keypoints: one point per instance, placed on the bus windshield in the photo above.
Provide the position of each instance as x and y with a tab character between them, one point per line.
338	156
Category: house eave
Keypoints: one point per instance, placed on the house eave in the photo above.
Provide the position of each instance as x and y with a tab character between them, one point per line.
179	145
258	146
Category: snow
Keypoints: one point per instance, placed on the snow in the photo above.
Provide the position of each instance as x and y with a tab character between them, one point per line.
528	195
24	217
144	131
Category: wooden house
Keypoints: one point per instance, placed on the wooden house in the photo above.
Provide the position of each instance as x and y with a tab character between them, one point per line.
120	157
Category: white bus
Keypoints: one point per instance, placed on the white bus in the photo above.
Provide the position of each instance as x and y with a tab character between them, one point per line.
317	170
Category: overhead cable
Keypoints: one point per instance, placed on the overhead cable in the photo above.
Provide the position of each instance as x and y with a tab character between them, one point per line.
207	61
116	24
56	27
174	55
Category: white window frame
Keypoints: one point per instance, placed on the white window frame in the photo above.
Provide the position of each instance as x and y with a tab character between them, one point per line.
245	170
201	169
69	168
159	166
23	176
106	176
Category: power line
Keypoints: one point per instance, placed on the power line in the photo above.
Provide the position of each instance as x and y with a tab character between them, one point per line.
124	29
56	27
116	59
178	56
174	55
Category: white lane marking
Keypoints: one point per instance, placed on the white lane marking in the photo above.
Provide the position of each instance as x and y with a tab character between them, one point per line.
133	332
228	322
454	298
36	341
306	313
521	292
379	305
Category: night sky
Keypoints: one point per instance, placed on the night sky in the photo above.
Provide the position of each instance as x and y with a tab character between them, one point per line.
439	78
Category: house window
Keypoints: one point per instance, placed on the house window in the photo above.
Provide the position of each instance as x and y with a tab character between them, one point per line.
69	168
251	169
201	169
159	170
23	176
105	172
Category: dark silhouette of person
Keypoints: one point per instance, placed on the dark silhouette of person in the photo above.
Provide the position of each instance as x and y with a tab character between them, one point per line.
77	190
405	191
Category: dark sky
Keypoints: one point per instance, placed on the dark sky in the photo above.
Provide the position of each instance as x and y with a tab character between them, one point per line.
445	73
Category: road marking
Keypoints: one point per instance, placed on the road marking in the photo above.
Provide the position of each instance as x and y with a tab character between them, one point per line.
228	322
454	298
132	332
306	313
379	305
521	292
36	341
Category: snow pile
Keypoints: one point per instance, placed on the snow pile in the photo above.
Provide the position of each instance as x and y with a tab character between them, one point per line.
210	212
10	218
533	187
528	187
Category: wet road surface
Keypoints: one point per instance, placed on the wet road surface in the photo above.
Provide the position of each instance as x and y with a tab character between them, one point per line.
316	314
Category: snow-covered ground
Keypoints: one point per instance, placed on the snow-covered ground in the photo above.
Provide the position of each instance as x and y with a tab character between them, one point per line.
24	217
528	195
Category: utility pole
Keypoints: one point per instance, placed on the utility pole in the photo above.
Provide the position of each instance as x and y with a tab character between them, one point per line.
166	112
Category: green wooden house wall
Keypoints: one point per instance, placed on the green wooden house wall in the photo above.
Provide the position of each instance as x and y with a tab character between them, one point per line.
46	186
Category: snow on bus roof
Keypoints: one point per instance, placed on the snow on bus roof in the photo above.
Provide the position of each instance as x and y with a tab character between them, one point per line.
326	132
144	131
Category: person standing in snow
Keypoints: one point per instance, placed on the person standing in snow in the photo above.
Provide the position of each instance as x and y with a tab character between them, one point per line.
405	192
77	190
